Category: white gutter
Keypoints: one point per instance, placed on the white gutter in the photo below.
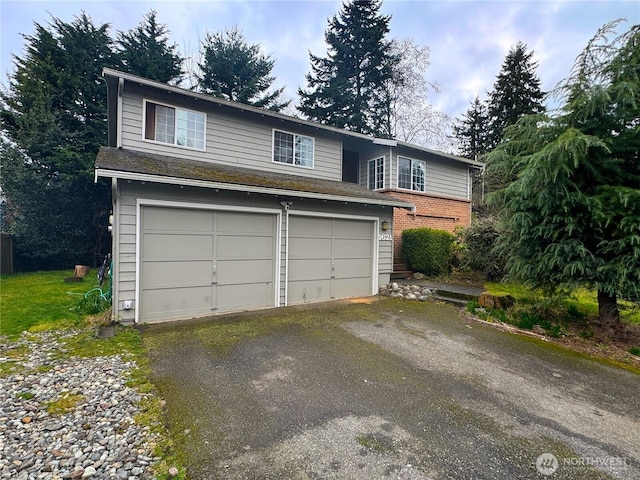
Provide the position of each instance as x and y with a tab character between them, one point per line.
143	177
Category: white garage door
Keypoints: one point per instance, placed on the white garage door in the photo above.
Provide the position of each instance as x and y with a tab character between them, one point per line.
329	258
198	262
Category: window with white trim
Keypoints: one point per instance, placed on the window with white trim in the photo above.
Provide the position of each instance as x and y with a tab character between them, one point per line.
411	174
376	174
293	149
175	126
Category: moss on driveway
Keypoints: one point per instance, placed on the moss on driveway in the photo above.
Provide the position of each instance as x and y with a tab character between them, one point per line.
382	389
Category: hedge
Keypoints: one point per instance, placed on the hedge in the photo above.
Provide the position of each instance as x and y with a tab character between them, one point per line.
427	250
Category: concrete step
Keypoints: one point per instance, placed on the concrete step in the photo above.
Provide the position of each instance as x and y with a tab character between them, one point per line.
456	295
459	302
401	274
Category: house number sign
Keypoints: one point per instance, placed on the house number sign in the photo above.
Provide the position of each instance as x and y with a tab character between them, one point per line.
384	237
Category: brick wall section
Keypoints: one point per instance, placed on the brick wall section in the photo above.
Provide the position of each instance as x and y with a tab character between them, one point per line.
432	211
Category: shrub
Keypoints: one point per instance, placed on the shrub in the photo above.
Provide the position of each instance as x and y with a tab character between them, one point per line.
427	250
92	303
479	253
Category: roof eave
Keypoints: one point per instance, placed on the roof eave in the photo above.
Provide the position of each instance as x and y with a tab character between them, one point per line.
145	177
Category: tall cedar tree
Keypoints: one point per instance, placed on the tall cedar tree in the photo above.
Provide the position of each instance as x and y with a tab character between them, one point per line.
571	218
234	70
515	93
54	118
471	131
145	51
349	87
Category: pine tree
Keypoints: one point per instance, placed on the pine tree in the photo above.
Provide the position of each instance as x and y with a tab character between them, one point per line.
349	87
471	131
515	93
571	216
145	51
234	70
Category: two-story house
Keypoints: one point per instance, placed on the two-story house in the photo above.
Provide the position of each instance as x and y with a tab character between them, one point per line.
220	206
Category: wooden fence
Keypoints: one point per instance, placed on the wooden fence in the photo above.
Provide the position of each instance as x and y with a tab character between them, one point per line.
6	254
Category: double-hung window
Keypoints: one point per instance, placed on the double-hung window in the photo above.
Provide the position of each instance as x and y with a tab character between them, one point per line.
175	126
293	149
411	174
376	174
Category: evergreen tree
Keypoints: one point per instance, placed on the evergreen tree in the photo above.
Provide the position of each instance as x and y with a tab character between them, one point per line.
515	93
54	119
471	131
349	88
571	217
145	51
234	70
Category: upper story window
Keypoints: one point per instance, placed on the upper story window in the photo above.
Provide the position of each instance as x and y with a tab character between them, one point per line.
375	174
175	126
411	174
293	149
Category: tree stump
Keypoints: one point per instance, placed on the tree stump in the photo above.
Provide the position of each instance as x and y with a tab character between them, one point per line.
81	271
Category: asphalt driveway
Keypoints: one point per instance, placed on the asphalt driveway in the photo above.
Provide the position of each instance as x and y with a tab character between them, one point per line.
389	389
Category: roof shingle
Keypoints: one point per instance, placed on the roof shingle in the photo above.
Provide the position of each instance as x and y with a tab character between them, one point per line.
120	160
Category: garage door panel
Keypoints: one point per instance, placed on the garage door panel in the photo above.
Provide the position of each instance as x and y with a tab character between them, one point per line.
304	291
353	287
236	222
352	229
176	274
352	248
246	272
249	295
157	245
237	246
310	227
309	269
169	303
301	247
353	267
177	220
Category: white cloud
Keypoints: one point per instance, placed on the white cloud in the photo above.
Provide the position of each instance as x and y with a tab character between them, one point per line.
468	39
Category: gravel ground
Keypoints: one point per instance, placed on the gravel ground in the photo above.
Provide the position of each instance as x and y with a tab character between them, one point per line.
68	418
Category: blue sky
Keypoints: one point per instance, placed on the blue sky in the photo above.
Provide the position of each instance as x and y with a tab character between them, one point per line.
468	39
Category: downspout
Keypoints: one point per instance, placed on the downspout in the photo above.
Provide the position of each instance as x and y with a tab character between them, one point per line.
119	113
390	167
115	249
286	253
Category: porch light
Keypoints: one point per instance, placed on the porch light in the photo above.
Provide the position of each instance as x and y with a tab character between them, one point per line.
385	226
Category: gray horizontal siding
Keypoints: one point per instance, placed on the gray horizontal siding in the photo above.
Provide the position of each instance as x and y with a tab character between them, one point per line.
447	179
126	268
232	138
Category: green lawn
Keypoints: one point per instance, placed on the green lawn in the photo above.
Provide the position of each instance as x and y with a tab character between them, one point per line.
586	301
40	299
